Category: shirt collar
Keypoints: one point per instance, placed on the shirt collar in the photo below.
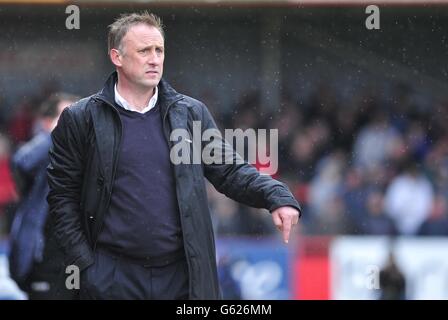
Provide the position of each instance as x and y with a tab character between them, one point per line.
126	105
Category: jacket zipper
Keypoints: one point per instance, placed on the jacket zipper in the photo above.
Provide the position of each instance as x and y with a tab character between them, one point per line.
182	223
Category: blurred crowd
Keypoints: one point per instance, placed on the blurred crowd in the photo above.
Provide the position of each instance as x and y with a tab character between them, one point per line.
368	164
362	165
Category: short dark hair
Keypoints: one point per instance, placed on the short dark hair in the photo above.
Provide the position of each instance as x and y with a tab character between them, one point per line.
120	27
49	108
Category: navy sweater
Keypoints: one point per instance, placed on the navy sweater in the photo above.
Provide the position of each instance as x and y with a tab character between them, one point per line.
143	218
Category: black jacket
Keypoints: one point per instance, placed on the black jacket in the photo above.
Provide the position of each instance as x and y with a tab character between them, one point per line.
83	161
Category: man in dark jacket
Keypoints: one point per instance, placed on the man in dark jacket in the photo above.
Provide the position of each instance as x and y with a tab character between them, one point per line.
137	225
34	259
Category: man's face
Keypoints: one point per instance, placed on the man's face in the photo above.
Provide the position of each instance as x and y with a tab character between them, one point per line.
141	56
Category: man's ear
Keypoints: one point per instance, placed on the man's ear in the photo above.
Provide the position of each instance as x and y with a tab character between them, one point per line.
115	57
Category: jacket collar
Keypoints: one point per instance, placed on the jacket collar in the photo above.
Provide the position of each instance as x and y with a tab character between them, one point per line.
167	95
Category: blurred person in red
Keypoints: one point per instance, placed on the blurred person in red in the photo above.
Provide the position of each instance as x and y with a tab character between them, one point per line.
8	194
21	124
35	261
136	224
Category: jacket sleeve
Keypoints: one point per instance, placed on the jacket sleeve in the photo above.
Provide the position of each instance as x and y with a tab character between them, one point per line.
240	181
65	176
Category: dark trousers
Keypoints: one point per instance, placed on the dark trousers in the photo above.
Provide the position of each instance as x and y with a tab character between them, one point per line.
115	277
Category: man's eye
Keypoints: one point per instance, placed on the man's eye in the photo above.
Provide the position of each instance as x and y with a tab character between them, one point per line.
159	50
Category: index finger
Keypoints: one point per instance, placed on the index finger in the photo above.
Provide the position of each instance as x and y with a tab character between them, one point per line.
286	229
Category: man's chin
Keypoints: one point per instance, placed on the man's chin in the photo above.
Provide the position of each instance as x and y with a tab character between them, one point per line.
150	84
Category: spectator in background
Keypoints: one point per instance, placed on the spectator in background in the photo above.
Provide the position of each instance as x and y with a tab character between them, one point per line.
355	192
35	260
436	165
409	199
377	222
302	158
327	182
287	121
333	219
417	140
375	141
437	222
392	281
